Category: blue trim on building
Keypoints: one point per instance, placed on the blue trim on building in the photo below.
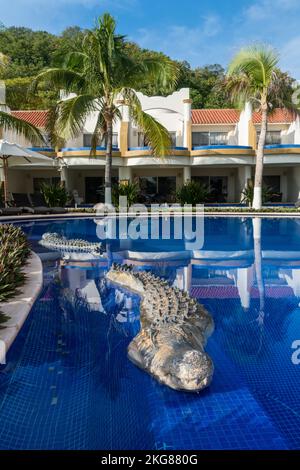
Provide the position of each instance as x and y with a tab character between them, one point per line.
282	146
139	148
74	149
208	147
148	148
41	149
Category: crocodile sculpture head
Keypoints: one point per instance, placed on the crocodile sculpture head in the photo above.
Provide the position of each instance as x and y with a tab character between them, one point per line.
174	330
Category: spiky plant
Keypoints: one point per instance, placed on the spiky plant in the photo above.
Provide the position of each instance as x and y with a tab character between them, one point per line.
14	251
192	193
101	74
55	195
128	189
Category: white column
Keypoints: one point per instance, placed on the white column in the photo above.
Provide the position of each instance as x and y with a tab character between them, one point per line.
187	125
283	186
64	177
244	283
187	174
297	131
243	125
124	126
1	174
125	173
245	175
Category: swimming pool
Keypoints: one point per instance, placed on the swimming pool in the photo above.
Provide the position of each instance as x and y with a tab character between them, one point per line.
68	383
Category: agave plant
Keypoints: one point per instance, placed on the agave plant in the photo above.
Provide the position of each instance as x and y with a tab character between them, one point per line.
14	251
55	195
248	194
128	189
192	193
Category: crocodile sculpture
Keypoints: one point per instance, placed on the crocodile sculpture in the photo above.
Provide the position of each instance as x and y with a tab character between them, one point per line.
173	334
60	243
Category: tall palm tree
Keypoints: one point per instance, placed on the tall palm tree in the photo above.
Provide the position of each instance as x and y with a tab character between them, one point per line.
9	122
253	76
19	126
100	74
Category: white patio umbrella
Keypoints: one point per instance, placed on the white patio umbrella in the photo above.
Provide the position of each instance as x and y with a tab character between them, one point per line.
12	154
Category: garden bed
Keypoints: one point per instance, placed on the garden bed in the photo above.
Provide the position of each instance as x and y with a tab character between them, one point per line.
20	283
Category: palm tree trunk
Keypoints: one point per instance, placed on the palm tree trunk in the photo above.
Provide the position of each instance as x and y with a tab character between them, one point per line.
5	182
108	162
259	166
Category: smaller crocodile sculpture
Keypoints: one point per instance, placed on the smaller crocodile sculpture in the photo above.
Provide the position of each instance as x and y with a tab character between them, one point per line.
174	330
60	243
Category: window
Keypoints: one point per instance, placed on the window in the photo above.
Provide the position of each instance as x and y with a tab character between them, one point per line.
218	138
203	180
173	139
209	138
87	140
200	138
158	185
47	140
217	185
272	137
142	142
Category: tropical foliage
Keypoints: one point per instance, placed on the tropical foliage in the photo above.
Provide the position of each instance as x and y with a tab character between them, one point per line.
28	52
253	76
247	194
192	193
14	251
100	74
55	195
128	189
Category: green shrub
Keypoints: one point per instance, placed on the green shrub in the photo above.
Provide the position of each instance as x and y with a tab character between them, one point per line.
128	189
247	194
55	195
14	251
192	193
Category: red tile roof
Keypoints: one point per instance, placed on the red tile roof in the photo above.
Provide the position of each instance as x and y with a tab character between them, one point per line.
215	116
279	116
37	118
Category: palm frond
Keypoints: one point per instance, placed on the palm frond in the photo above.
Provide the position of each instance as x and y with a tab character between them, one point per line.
156	134
72	114
256	62
21	127
60	79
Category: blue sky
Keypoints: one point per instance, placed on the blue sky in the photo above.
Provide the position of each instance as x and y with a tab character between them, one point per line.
200	31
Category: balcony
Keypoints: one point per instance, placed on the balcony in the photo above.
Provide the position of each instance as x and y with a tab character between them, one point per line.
86	152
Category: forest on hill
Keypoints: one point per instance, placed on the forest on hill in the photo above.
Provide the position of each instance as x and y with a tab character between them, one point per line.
26	52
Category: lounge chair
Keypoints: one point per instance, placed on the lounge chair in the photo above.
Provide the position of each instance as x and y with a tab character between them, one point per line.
38	203
22	202
9	210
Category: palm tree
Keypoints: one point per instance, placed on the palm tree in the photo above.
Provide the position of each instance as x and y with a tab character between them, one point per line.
253	76
101	74
9	122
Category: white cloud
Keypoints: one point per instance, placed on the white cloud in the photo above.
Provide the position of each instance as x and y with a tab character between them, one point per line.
290	58
264	9
182	42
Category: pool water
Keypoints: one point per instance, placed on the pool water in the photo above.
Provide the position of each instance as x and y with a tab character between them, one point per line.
68	383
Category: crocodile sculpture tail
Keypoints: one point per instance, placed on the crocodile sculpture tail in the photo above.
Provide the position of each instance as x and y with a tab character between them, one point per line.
174	330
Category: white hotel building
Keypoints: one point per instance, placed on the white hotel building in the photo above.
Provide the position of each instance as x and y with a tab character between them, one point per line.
213	146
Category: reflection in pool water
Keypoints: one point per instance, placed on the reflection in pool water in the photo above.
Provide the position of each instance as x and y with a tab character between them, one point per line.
69	385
